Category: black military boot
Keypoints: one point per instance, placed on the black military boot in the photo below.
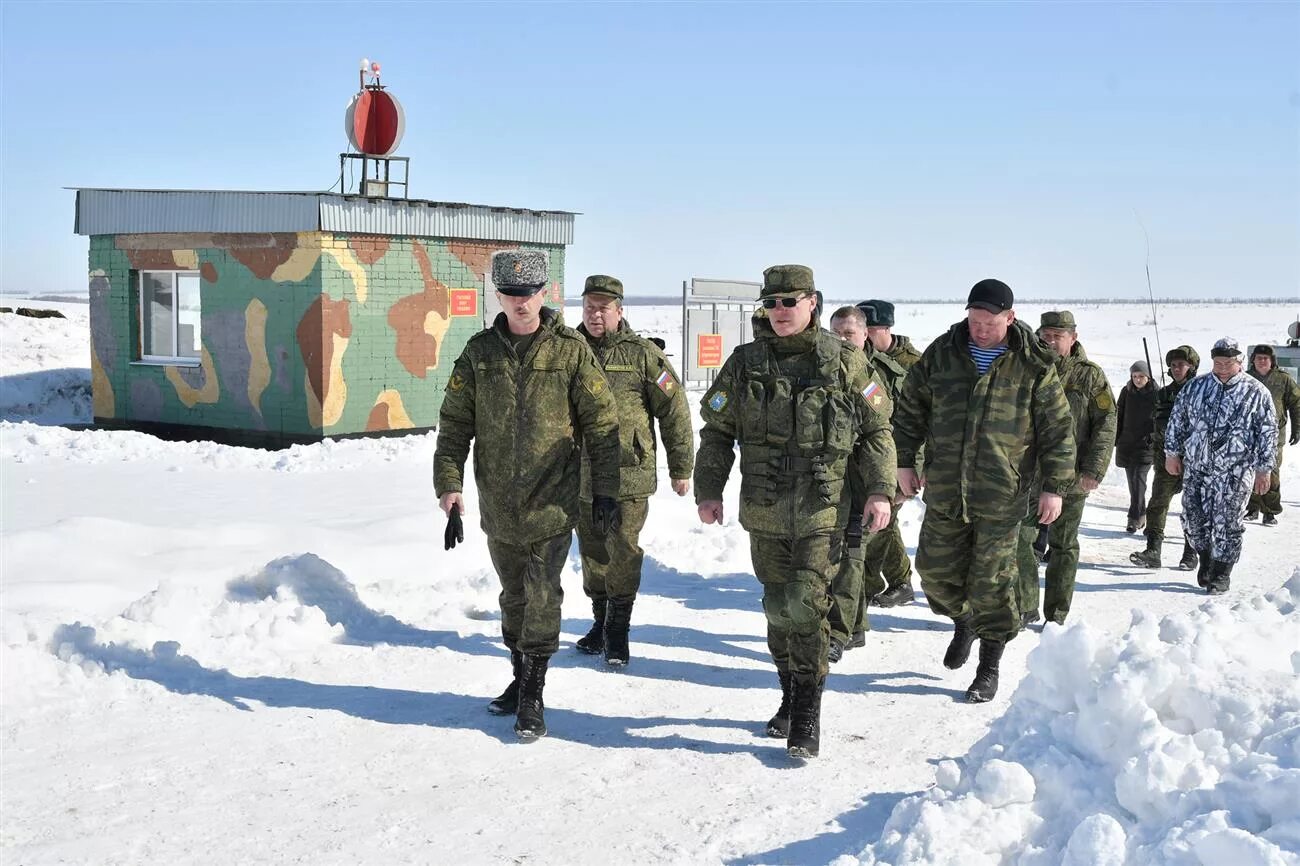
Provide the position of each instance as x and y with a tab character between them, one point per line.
1220	577
1149	558
1189	560
530	720
959	648
1270	520
835	651
779	725
895	596
1203	569
593	642
507	702
985	685
1252	514
618	619
858	639
805	717
1028	618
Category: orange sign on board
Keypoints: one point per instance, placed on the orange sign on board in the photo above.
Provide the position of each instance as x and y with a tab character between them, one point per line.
464	302
708	350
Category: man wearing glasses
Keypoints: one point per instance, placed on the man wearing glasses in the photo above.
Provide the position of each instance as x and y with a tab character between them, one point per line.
813	428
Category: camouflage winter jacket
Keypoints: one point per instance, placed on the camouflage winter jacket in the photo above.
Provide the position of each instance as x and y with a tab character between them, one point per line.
903	353
1165	403
1093	408
644	385
1286	398
526	418
812	422
1223	427
987	438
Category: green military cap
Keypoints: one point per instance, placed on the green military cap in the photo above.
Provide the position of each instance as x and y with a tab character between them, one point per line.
1062	319
787	281
599	284
519	272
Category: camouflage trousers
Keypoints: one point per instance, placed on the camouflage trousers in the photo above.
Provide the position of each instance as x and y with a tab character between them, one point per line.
611	565
796	575
531	594
1063	544
1163	488
1214	506
1270	502
970	568
887	555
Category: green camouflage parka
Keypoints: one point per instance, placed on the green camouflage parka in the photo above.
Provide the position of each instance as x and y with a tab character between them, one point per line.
528	419
810	417
1165	399
1286	398
645	386
1093	408
902	352
986	437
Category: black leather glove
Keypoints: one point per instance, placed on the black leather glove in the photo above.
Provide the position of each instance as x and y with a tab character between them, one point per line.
1295	437
606	515
455	530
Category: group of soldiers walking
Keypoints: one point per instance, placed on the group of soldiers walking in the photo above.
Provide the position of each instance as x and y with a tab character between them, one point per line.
1005	429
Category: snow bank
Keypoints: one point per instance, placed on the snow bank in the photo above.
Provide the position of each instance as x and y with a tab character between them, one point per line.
1177	743
45	366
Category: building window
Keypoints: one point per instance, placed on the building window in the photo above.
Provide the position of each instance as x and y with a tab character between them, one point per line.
170	315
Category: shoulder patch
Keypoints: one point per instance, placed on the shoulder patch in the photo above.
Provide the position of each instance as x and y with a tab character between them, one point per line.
455	383
718	401
1104	401
665	382
873	395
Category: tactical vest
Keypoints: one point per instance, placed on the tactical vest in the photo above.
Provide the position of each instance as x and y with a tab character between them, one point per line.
793	428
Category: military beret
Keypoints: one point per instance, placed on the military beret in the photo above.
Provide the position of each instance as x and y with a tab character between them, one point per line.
599	284
880	314
1062	319
787	281
519	272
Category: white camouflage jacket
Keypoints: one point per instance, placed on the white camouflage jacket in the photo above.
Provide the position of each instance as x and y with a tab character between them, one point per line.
1223	426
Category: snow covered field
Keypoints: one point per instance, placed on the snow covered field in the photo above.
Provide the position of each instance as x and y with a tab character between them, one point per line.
218	654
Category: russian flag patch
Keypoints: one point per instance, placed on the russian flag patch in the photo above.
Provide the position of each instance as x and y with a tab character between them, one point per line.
665	382
871	388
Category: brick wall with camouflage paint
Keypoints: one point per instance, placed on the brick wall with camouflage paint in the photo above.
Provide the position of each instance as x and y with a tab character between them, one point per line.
302	334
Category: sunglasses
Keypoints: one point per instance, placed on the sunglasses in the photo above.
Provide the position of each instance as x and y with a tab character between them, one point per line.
770	303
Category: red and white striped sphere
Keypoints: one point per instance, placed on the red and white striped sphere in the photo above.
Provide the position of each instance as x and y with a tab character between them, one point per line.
374	122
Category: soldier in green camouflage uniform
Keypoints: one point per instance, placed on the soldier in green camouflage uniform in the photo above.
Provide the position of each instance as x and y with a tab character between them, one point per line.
1182	362
528	392
1286	403
888	560
854	584
1093	407
813	426
645	387
986	401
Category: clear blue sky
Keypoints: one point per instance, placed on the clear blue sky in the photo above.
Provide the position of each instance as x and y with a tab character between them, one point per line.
900	149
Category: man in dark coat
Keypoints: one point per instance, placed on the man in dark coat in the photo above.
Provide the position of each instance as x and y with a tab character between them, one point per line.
1133	452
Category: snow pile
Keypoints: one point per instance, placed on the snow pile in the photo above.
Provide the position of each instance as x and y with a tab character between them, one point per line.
45	367
1177	743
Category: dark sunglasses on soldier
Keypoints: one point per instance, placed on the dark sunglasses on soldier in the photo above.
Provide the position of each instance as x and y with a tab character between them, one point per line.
770	303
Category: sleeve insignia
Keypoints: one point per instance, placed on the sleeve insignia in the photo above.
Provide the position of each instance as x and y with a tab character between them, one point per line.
455	383
665	382
718	401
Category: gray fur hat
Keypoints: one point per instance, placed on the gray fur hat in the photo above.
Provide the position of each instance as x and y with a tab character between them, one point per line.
519	272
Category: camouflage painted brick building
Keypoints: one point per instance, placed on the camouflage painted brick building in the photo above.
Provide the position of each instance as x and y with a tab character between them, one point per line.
281	317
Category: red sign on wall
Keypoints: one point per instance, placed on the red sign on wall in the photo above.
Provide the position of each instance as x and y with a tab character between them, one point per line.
708	350
464	302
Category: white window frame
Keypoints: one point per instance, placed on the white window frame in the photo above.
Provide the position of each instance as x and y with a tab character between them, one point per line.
175	359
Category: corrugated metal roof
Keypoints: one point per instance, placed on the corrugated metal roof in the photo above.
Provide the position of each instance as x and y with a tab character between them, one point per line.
144	211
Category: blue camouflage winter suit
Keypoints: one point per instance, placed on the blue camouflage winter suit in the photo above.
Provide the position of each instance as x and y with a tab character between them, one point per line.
1224	432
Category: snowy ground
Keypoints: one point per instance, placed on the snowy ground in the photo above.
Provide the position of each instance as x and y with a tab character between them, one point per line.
221	654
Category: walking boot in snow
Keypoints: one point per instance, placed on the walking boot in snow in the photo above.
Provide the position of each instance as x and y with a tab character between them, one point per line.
1149	558
858	639
985	685
959	648
593	642
1189	560
779	725
1028	618
506	703
1220	577
1252	514
1203	570
1270	520
618	619
530	720
895	596
805	717
835	651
